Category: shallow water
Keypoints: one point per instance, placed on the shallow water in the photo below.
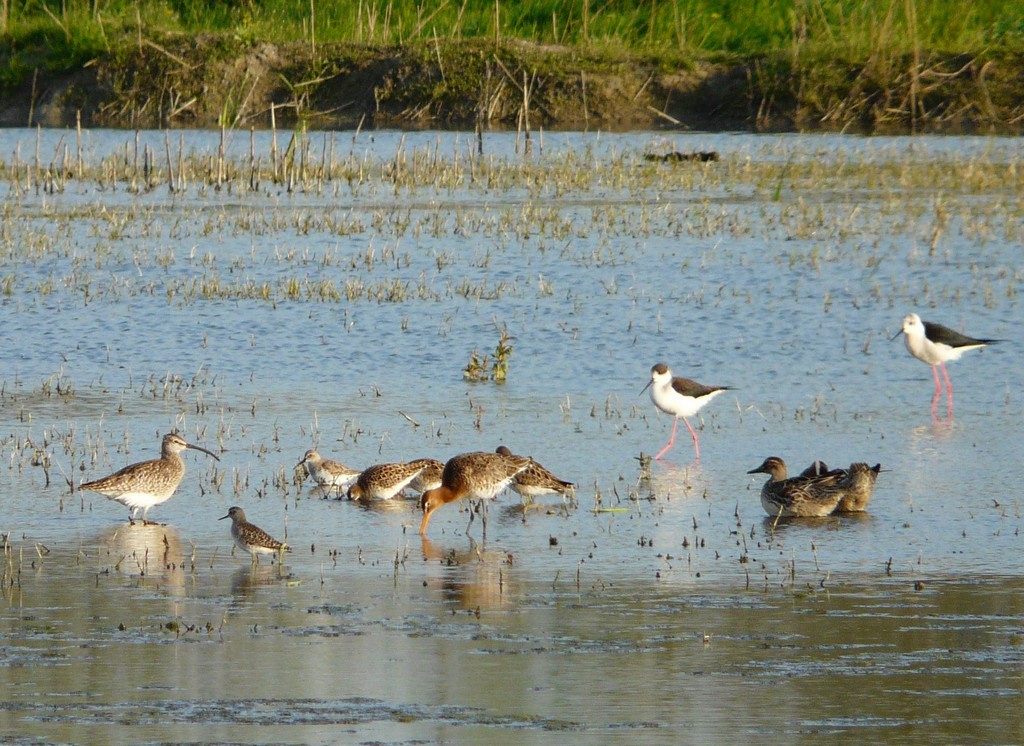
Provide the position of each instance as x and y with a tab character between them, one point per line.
658	606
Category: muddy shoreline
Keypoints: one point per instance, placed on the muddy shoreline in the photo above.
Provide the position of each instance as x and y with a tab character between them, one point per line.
213	81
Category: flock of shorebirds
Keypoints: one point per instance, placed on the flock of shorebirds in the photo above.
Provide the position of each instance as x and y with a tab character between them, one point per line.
480	476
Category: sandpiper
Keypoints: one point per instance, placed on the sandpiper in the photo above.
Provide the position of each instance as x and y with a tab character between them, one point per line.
475	476
251	538
147	483
936	345
430	477
681	398
535	480
330	475
384	481
802	496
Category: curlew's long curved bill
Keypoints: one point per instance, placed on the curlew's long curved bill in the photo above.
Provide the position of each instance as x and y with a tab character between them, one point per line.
200	448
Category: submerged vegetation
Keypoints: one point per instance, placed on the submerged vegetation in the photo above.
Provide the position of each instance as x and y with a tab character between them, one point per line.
356	242
880	64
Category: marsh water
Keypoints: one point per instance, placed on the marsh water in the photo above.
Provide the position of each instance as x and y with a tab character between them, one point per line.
339	307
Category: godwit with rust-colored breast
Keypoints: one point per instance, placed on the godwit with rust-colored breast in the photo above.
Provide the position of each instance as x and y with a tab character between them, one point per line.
474	476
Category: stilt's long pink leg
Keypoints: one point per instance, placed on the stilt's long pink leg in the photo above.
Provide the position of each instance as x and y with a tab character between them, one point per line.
696	445
672	440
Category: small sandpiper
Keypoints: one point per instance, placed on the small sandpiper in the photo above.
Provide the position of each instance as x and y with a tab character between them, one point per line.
681	398
535	480
251	538
475	476
330	475
936	345
430	477
147	483
384	481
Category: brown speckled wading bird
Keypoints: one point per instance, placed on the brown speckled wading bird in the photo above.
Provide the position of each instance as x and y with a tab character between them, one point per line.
430	477
147	483
251	538
330	475
384	481
535	480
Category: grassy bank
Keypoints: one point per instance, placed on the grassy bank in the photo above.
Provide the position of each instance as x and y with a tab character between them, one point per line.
792	63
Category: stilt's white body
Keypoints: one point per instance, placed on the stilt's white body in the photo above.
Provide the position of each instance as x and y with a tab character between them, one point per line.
936	345
681	398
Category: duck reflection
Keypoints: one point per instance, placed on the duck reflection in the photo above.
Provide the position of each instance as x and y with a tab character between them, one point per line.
473	578
795	524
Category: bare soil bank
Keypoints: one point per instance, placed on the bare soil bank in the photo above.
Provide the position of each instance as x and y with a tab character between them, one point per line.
214	80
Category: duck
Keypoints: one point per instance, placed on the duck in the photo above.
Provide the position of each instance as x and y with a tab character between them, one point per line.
800	496
859	485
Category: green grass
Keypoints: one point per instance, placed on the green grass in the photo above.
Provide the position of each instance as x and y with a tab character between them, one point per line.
867	63
77	30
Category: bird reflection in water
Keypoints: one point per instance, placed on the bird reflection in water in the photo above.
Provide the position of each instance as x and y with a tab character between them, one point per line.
148	551
473	579
249	580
